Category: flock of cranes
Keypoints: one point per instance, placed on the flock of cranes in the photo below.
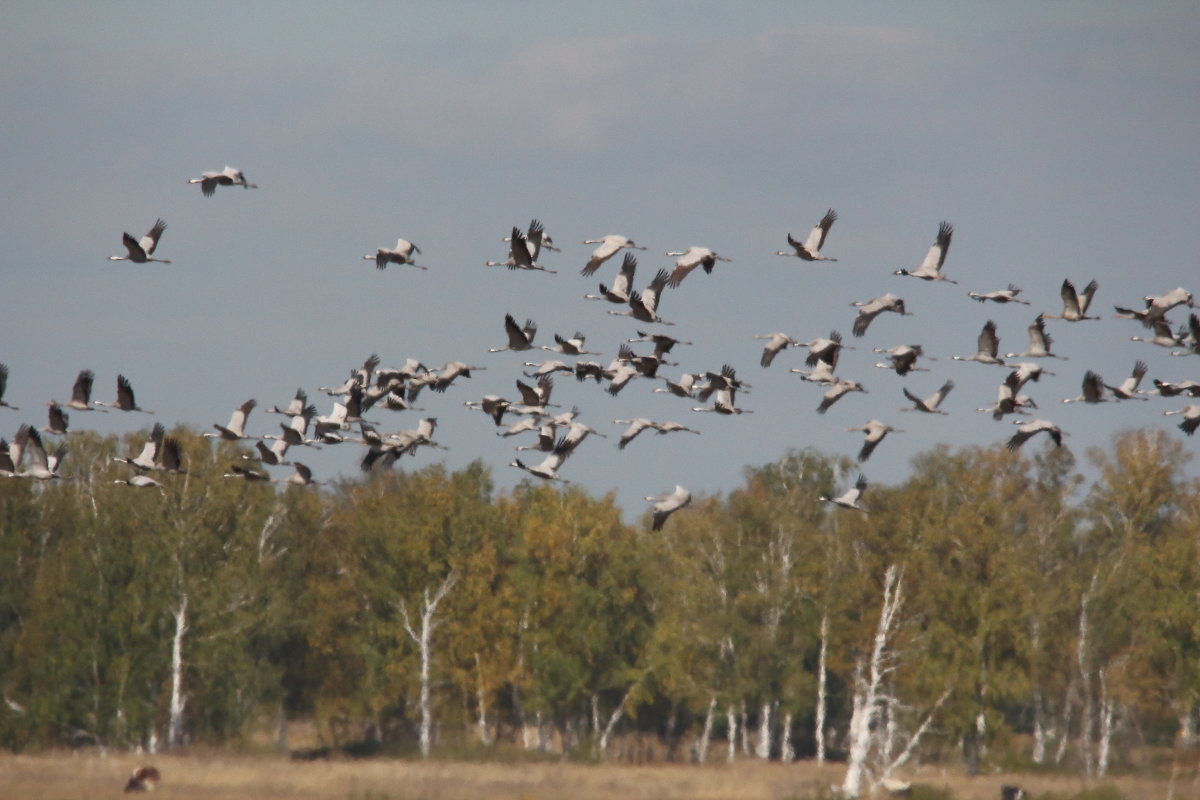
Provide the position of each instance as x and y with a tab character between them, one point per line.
371	390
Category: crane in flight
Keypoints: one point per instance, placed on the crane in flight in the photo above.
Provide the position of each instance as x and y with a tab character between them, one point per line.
931	267
609	246
209	181
667	504
810	249
400	254
140	250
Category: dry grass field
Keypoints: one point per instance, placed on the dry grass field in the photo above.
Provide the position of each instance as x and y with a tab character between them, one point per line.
218	775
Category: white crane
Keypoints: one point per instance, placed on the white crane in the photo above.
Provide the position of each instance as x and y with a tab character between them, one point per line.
667	504
903	358
1075	304
493	405
1039	342
1158	306
400	254
149	457
1163	335
822	373
1023	373
775	343
1128	390
295	431
324	427
609	246
546	440
987	345
1032	428
810	250
1008	295
620	371
81	393
1192	342
238	471
125	400
688	260
577	432
570	347
663	343
140	481
822	349
931	267
639	424
850	499
57	420
622	284
4	386
236	429
536	238
875	432
1008	401
1093	390
837	392
548	368
8	469
684	387
589	369
534	399
209	181
140	251
548	469
301	476
275	456
723	404
1176	388
527	424
523	251
518	338
930	405
28	442
359	376
1191	418
872	308
643	306
295	408
726	379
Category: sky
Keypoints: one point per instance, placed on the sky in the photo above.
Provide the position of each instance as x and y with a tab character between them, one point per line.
1058	139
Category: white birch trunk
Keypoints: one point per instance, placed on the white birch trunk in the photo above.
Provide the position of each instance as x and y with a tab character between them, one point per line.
822	689
762	748
745	715
911	748
867	690
701	752
178	701
859	733
1107	713
1065	734
613	719
424	639
787	753
481	722
731	718
1085	676
1040	733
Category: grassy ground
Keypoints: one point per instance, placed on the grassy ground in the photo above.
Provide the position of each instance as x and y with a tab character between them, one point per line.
217	775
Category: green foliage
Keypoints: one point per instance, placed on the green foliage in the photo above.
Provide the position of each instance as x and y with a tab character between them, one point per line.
562	614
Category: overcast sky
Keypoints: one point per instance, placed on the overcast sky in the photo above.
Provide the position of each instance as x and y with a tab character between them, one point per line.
1059	139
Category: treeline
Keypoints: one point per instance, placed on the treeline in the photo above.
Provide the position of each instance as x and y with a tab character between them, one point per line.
991	606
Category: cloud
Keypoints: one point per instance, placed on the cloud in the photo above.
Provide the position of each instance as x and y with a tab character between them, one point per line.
578	94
